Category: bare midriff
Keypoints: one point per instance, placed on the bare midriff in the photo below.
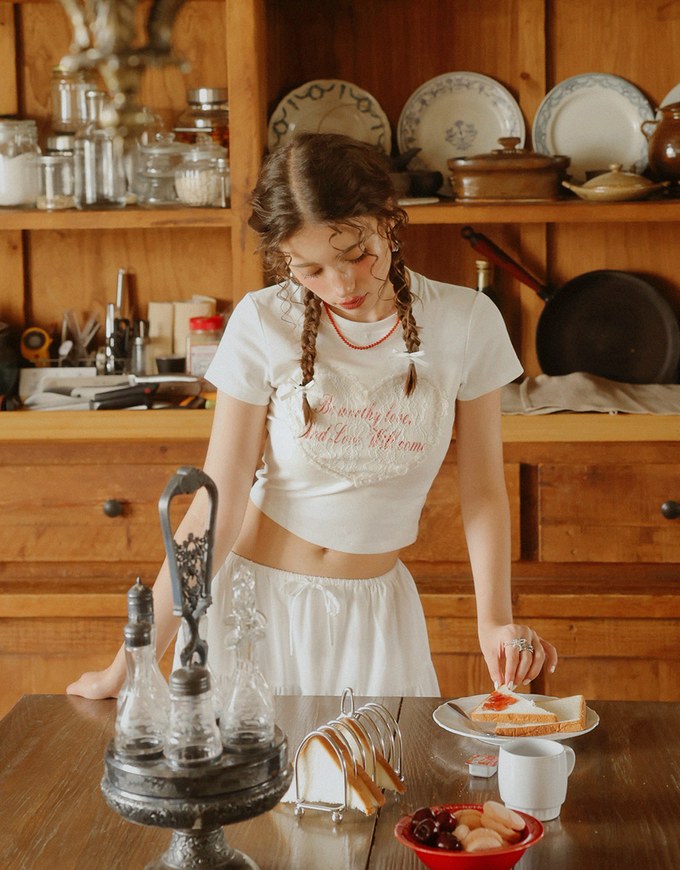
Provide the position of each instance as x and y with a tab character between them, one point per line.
263	541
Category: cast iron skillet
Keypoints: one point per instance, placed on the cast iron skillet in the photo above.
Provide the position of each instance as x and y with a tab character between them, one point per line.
607	323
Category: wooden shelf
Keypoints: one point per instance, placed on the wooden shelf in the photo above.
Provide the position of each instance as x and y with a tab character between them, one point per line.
116	219
567	211
183	425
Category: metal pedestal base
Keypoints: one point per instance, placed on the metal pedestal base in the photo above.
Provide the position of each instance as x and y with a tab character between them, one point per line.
207	851
197	802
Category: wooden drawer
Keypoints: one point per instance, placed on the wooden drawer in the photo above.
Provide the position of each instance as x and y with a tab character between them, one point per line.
54	511
441	537
607	513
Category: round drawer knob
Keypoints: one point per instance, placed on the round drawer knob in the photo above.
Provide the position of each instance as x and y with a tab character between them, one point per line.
112	507
671	510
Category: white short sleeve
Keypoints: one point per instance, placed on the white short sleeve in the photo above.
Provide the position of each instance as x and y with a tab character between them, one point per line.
490	360
241	366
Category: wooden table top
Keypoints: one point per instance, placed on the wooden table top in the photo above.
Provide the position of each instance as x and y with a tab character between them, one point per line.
622	807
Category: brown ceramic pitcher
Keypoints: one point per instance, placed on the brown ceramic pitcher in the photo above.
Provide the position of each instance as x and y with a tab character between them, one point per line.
664	143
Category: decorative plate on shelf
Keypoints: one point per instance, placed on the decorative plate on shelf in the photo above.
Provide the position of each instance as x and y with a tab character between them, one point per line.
330	106
456	115
595	120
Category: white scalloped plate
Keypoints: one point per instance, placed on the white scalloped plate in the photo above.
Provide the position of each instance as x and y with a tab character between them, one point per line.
449	720
330	106
457	114
595	120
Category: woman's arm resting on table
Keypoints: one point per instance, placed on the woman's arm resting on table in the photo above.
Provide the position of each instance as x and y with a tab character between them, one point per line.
233	455
486	519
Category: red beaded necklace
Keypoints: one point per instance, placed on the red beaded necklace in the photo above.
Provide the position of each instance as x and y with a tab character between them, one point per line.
359	346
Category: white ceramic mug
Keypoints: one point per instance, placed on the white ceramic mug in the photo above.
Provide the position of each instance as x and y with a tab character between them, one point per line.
533	774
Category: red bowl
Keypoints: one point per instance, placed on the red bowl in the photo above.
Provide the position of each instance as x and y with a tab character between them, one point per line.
488	859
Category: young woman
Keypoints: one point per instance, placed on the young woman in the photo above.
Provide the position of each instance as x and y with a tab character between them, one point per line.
351	370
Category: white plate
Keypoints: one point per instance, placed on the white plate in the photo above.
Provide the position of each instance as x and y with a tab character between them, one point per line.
595	120
330	106
457	114
449	720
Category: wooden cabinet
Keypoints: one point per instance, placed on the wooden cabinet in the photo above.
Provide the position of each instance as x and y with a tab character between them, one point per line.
595	563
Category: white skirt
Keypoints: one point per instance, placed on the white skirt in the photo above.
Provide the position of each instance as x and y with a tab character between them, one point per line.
323	634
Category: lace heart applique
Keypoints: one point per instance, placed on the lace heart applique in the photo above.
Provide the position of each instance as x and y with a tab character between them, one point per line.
367	434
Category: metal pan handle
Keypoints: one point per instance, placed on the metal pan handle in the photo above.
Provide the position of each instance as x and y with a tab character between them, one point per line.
487	248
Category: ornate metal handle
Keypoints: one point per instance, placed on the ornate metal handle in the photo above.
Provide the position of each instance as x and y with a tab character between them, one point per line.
671	510
190	562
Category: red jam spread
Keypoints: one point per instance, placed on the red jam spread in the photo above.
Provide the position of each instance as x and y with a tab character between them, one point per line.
498	701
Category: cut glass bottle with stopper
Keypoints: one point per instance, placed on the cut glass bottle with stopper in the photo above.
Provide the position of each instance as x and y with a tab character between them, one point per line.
247	718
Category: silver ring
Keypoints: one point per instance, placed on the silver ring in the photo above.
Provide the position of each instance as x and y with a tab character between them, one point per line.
521	644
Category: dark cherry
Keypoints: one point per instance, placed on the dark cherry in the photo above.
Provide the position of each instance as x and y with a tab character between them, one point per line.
422	813
446	840
425	831
446	821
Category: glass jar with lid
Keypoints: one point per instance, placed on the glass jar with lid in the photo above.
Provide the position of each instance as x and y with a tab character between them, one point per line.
207	112
100	180
156	163
202	342
200	179
68	103
19	152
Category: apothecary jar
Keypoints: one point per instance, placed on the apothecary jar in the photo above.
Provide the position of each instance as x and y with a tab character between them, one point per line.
19	175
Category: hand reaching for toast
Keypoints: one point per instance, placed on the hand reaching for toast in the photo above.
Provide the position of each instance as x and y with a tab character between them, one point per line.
516	654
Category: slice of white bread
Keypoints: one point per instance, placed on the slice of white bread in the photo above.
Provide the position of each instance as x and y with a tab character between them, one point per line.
570	712
321	779
505	706
382	773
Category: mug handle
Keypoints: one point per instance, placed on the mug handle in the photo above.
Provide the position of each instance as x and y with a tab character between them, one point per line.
571	759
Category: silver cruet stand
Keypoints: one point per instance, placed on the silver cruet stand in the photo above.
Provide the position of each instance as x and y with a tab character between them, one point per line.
195	802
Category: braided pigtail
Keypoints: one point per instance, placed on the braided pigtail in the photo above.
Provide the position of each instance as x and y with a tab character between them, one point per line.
310	329
403	300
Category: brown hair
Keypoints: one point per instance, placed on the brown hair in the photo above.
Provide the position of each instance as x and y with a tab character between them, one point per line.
327	178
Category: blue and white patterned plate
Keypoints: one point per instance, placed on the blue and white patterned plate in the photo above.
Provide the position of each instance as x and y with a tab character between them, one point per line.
457	114
330	106
595	120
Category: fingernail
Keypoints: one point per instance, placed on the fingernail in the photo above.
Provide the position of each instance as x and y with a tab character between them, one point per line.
552	669
496	684
526	682
511	686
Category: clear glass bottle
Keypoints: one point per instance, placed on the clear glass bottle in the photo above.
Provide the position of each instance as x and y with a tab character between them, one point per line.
19	171
68	103
100	181
142	716
193	735
247	718
202	342
207	112
140	609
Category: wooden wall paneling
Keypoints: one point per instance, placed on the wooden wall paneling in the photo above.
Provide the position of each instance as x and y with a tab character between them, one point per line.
634	39
245	29
9	92
12	275
78	269
198	37
615	679
608	513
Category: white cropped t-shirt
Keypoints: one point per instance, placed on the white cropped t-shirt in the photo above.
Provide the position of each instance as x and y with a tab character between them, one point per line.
357	480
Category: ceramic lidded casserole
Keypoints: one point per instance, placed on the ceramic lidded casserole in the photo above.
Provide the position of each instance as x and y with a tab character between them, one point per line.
507	173
615	186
